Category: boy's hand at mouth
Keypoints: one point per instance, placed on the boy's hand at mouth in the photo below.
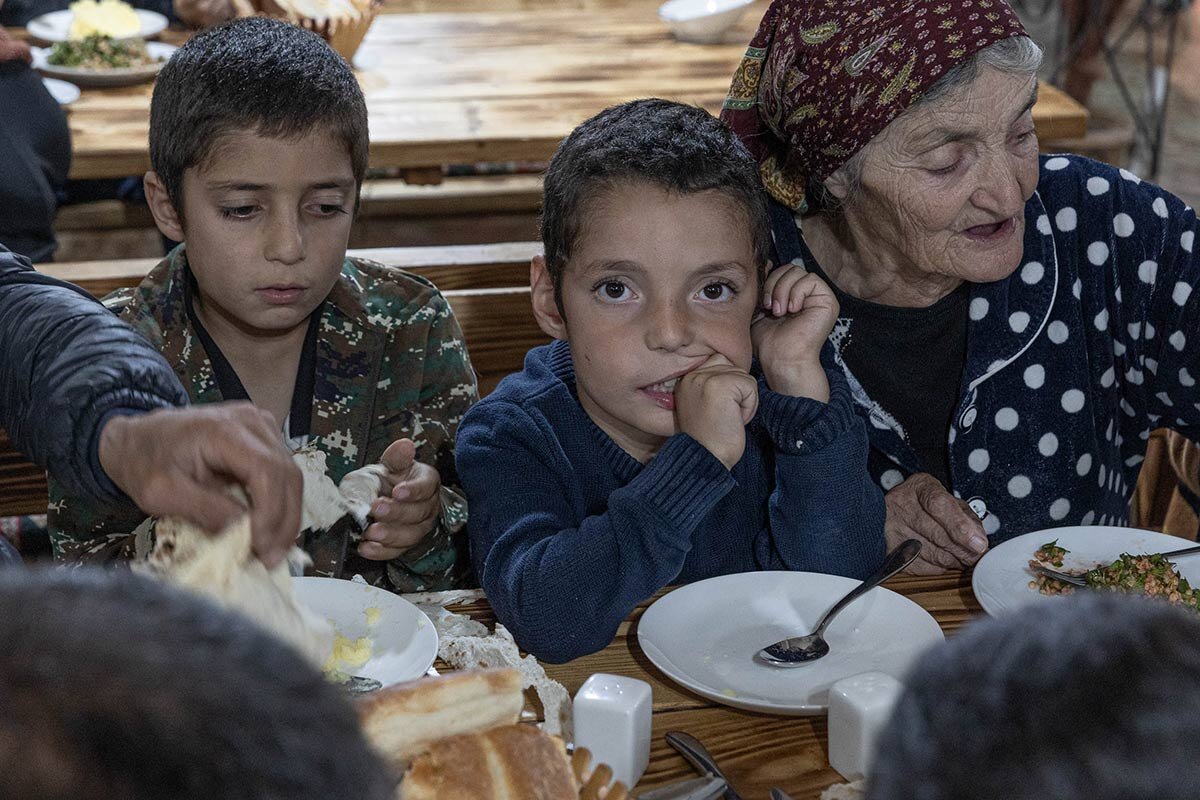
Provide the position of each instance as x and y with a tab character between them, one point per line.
799	310
409	508
714	403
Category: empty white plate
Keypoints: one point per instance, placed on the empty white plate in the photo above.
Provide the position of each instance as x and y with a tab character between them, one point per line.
53	27
65	93
705	635
1001	578
403	640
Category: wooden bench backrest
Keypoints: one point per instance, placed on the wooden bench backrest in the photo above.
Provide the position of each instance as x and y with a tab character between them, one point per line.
486	285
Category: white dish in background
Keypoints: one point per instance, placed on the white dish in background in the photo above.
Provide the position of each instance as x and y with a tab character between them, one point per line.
705	635
53	27
65	93
703	21
105	77
403	640
1001	578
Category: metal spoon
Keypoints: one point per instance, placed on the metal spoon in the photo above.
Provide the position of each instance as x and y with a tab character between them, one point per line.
357	684
801	649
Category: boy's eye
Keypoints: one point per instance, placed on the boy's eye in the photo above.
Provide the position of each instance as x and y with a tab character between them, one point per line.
329	209
613	290
717	291
237	212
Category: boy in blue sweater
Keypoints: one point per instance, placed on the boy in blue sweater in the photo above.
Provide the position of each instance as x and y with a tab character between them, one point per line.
638	450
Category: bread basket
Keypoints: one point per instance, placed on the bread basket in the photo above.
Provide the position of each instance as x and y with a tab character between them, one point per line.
342	23
595	782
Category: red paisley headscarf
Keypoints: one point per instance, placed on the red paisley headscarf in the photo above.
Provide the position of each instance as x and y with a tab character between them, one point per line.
821	78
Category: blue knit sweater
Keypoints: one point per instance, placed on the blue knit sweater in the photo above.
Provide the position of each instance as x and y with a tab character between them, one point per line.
569	533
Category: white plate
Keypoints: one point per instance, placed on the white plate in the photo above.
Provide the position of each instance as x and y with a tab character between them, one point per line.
403	640
53	27
105	77
65	93
705	635
1001	578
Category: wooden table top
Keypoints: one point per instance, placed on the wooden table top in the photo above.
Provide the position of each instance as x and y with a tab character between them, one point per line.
464	85
756	751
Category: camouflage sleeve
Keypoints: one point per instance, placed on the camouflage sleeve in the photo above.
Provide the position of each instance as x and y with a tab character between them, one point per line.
85	531
448	389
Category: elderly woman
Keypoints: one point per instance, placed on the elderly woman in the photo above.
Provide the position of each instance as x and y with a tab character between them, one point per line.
1012	326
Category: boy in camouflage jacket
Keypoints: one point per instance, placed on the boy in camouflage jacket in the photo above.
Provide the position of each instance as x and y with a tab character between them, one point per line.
259	146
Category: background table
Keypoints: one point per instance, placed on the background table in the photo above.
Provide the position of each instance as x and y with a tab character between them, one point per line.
464	85
757	751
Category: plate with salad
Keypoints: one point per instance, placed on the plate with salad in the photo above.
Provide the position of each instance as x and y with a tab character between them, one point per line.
1108	558
102	60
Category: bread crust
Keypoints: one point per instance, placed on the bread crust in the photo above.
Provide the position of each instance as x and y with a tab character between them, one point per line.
403	721
515	762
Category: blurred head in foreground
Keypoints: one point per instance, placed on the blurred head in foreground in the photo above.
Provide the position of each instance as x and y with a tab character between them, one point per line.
1094	696
114	686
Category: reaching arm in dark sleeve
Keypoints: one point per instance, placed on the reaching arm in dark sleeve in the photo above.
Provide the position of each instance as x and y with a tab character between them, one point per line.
66	365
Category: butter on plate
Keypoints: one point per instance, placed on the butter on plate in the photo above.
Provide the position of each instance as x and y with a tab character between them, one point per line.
103	18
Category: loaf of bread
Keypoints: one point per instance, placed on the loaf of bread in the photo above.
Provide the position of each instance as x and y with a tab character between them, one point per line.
515	762
404	720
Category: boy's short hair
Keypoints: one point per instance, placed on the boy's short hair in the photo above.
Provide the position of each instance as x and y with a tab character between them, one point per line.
682	148
1092	697
116	686
256	74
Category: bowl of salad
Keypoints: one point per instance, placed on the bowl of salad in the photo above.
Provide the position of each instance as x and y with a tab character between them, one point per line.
102	60
1108	558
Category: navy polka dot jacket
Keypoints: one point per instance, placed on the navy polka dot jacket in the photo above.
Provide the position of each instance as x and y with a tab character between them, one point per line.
1072	360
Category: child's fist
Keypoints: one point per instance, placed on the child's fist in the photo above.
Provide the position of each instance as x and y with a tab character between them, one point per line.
408	506
714	403
799	310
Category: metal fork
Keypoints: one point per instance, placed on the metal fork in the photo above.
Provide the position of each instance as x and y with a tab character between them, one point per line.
1074	580
1078	580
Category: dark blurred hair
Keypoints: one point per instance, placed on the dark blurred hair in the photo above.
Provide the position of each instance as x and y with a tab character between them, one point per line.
1094	697
255	74
115	687
681	148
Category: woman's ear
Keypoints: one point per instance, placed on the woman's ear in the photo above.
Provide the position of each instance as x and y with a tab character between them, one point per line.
545	303
838	185
166	217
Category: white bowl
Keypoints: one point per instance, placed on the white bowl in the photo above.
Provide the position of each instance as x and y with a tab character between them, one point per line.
703	21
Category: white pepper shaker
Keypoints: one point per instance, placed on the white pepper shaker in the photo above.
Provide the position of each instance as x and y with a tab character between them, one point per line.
859	707
612	720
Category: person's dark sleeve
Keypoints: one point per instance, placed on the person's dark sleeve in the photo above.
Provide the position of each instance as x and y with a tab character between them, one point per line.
67	365
563	584
825	513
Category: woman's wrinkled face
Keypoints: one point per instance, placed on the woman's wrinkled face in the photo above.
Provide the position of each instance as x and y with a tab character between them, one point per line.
944	186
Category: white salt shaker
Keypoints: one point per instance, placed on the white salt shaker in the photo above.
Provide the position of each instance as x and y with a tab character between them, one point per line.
859	707
612	720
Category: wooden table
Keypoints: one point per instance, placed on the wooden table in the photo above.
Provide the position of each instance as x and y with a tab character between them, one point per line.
498	85
757	751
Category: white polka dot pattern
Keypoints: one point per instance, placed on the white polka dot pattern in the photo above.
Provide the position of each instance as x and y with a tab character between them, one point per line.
1075	357
1123	225
1066	220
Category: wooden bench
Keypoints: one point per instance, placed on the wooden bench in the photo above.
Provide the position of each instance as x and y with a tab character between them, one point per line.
486	285
458	210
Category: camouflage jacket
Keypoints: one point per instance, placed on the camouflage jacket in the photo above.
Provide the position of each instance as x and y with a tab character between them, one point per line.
390	363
